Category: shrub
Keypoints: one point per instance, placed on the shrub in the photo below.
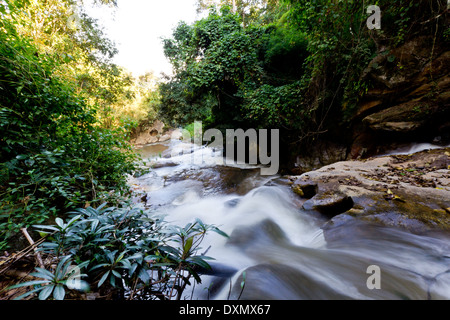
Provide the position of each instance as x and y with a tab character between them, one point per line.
125	252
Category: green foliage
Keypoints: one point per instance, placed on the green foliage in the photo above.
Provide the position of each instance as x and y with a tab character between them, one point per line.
297	65
124	251
55	155
180	104
223	72
250	11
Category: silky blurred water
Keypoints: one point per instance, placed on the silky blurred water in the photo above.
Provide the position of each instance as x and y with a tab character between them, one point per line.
282	250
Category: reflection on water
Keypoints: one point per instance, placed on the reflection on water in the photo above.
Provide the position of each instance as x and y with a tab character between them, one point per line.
282	249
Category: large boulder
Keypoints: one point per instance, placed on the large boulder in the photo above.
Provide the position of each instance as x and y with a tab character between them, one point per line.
409	97
150	134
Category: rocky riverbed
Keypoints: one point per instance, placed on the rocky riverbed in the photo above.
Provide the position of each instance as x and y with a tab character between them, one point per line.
406	191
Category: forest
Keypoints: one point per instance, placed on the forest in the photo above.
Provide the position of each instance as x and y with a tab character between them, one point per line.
310	68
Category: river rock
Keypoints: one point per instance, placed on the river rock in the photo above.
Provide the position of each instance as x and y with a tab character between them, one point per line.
266	232
149	134
408	191
329	203
305	189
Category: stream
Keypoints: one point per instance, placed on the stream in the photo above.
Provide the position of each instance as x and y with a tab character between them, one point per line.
277	251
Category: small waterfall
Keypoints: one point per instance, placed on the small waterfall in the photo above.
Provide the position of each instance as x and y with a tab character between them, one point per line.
414	148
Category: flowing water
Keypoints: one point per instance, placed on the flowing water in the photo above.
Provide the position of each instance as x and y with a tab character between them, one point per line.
276	250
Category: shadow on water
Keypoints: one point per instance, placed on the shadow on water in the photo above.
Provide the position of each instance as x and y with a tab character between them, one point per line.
282	250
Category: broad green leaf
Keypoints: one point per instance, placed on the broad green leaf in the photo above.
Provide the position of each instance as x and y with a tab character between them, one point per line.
44	274
103	279
46	292
188	245
59	293
220	232
28	284
60	222
116	274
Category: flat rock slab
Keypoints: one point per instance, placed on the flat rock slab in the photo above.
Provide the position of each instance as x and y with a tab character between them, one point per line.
408	191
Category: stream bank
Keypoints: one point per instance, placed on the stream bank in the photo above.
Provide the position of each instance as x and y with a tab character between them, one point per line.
410	191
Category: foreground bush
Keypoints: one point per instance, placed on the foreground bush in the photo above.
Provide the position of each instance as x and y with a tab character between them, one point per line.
120	253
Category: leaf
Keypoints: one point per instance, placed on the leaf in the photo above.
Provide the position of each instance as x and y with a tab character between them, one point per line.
98	266
244	278
200	223
46	292
94	225
59	293
397	198
137	256
62	267
101	206
44	274
220	232
169	249
60	222
28	293
73	220
188	245
195	275
103	279
200	261
116	274
144	276
51	228
28	284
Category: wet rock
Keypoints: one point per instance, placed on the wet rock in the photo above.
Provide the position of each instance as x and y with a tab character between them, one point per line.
408	191
237	180
163	164
232	203
266	232
323	153
329	203
305	189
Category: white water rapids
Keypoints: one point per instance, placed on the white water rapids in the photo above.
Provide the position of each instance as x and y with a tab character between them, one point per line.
282	250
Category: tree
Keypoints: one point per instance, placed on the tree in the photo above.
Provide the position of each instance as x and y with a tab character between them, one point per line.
54	156
249	76
248	10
